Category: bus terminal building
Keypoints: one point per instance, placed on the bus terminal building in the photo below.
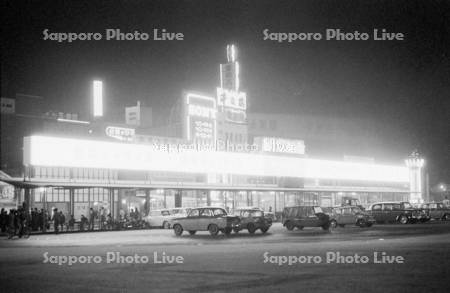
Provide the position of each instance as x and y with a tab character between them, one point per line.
206	155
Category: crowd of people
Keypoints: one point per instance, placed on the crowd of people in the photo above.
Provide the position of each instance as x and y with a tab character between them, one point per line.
42	221
14	221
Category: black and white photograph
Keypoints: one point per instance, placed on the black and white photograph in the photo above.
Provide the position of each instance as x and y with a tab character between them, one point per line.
225	146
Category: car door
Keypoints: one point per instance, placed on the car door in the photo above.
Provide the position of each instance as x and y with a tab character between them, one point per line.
388	213
434	211
189	223
244	216
310	218
377	212
347	216
337	215
206	216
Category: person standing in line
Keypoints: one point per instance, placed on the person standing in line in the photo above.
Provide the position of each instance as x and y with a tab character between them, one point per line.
62	220
71	223
56	220
102	218
44	221
91	219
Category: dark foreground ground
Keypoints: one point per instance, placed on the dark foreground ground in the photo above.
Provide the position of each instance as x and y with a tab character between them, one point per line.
239	263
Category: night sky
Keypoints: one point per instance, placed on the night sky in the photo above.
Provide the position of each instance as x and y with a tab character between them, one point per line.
398	84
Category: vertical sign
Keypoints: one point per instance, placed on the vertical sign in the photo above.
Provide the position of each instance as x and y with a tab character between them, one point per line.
200	118
98	98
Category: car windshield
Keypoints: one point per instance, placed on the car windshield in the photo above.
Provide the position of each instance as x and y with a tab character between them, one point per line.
165	213
356	210
219	212
318	210
257	214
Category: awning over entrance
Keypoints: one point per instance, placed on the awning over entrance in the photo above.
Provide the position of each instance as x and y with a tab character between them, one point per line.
122	184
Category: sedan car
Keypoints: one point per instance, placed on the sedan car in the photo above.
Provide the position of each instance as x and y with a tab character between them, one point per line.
159	218
436	210
305	216
350	215
391	212
212	219
252	219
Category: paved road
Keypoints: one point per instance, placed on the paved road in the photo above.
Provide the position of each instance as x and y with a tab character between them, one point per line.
242	262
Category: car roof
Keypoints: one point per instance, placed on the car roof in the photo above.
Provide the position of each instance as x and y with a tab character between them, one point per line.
208	207
312	206
248	208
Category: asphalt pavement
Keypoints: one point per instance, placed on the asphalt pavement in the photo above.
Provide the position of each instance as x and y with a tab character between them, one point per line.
383	258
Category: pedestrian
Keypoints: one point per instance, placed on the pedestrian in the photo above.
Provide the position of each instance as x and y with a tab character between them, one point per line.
62	220
44	221
83	223
3	220
12	220
71	223
91	219
56	220
102	218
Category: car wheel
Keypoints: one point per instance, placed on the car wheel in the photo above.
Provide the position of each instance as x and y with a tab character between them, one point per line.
213	229
445	217
290	226
403	219
178	230
264	229
192	232
251	228
326	227
333	224
360	223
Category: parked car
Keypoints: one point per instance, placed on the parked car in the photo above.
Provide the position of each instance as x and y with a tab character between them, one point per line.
350	215
436	210
252	219
179	212
392	212
159	218
305	216
212	219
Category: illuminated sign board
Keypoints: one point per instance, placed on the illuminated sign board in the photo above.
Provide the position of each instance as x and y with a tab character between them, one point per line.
229	72
98	98
200	118
280	145
233	104
65	152
231	99
120	133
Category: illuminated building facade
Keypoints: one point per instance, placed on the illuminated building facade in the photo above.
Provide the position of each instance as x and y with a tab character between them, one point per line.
123	166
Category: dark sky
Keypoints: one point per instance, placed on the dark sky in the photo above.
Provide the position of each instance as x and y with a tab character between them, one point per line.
398	84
